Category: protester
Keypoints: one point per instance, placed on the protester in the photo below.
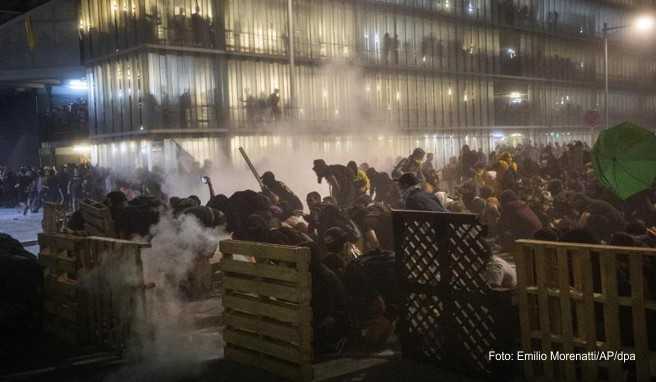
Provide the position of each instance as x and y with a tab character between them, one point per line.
414	198
519	193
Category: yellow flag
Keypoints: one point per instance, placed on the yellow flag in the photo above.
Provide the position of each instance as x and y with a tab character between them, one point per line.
29	33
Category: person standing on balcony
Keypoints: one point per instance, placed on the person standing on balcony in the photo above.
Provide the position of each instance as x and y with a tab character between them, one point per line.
387	45
396	45
274	102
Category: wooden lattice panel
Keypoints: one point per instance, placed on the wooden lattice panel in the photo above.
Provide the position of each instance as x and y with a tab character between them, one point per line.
268	317
449	315
577	298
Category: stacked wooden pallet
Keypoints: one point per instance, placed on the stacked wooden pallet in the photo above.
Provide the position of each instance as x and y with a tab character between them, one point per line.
97	219
93	288
64	301
268	316
54	217
585	300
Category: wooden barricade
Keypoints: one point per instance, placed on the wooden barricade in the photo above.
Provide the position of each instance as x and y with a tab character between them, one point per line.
97	219
54	216
268	316
93	288
586	300
449	316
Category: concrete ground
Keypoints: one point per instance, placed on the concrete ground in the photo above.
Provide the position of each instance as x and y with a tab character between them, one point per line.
23	228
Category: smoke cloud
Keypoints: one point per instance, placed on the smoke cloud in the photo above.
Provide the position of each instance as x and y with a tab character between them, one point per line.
169	340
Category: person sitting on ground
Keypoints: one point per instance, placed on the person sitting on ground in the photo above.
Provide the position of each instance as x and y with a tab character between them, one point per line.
341	250
546	234
584	204
414	198
517	220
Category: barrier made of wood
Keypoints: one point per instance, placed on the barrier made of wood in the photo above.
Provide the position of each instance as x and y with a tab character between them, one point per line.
267	300
590	300
97	218
94	287
54	217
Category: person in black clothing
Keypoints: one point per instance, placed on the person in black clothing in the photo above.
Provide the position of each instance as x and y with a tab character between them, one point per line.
414	198
274	102
340	179
288	201
612	215
383	188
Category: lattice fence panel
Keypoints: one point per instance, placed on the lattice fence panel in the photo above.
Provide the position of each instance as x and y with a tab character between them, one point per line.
449	315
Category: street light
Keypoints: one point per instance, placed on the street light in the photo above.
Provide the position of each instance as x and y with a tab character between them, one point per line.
643	23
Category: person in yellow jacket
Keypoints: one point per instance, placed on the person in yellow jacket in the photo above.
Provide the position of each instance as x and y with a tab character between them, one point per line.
360	179
506	173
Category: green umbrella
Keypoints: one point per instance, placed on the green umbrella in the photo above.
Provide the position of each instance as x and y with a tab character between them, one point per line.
624	159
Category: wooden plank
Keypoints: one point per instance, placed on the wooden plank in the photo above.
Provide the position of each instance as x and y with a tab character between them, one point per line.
277	311
102	240
61	241
280	350
58	264
590	369
541	265
296	255
566	319
300	373
611	311
522	253
639	318
61	286
269	289
645	251
299	335
261	270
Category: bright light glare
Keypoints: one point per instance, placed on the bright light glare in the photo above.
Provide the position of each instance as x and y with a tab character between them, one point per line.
645	23
78	85
82	149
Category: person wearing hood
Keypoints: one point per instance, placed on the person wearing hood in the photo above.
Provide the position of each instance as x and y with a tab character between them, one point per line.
414	198
517	220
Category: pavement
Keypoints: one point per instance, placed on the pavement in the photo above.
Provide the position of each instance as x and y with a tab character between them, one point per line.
23	228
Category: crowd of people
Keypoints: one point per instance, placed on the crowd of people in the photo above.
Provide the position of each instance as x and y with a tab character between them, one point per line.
28	188
524	192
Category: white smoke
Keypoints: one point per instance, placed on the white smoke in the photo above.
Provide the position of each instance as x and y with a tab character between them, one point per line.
169	341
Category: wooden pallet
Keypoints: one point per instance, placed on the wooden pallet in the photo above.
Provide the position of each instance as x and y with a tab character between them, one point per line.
97	219
561	287
93	286
268	316
54	216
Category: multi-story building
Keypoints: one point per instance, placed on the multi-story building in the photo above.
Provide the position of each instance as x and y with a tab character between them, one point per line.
203	76
41	84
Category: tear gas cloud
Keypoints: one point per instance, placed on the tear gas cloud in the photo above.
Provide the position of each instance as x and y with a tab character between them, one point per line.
167	341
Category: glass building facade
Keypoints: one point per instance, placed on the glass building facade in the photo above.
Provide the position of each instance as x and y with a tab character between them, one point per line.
412	66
